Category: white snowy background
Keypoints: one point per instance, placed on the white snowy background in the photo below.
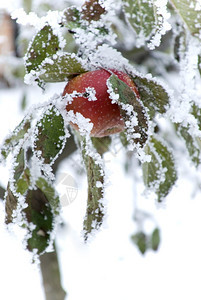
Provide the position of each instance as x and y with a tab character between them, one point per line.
109	266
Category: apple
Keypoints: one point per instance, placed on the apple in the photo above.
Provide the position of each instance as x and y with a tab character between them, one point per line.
104	114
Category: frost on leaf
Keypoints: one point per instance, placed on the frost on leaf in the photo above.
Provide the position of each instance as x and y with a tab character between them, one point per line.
148	19
159	174
33	208
89	25
95	175
192	137
50	135
92	10
132	111
190	12
40	220
44	45
17	135
153	95
10	206
31	201
192	144
61	67
21	174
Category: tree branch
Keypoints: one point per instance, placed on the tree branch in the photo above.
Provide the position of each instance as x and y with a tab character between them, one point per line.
51	276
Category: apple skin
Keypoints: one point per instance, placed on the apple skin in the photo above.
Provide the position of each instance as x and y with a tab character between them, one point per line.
104	115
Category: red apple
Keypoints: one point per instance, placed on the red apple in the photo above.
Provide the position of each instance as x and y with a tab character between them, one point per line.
104	115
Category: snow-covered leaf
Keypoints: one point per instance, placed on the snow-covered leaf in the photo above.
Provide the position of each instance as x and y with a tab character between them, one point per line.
128	100
18	134
44	45
49	193
196	112
10	205
191	144
40	220
141	15
95	209
153	95
92	10
38	213
159	174
190	12
73	17
193	141
145	18
19	165
50	135
151	170
21	173
61	67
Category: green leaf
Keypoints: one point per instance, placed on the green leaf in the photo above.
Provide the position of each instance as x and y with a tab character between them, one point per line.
95	209
40	220
21	182
193	141
22	185
155	239
151	170
21	174
44	45
192	147
153	95
126	96
50	135
141	15
49	192
140	239
38	216
190	12
17	135
199	64
61	67
159	174
19	165
144	18
196	112
73	17
102	145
